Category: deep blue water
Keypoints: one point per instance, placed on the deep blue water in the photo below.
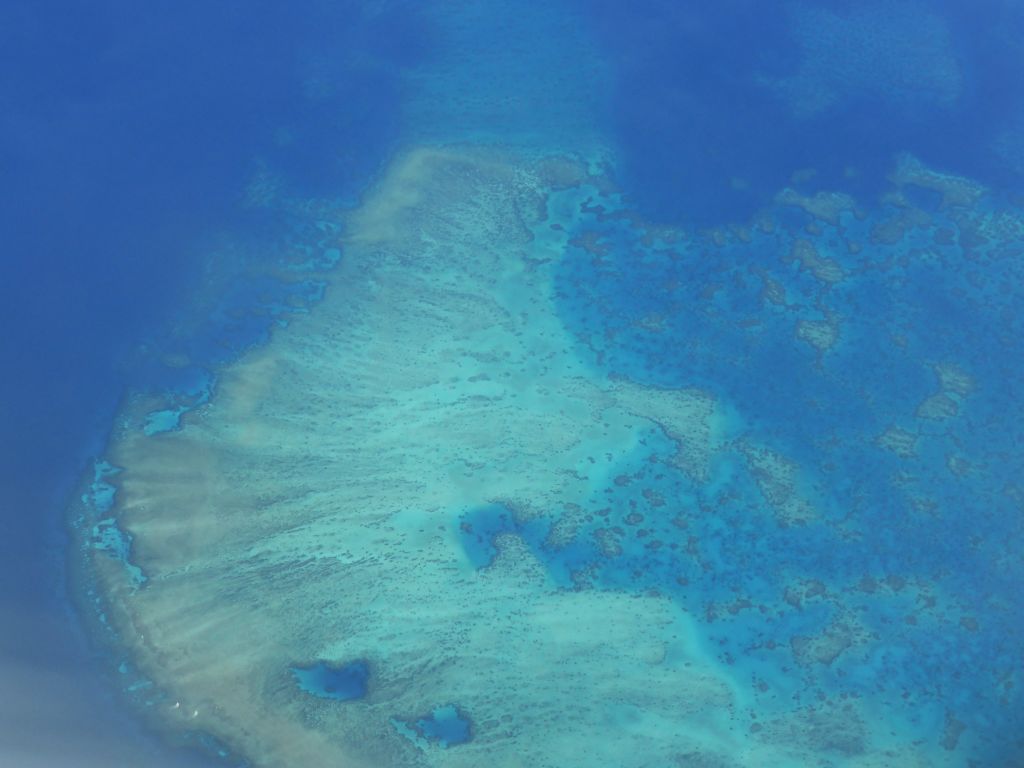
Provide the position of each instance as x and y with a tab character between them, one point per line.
128	133
445	726
329	682
688	103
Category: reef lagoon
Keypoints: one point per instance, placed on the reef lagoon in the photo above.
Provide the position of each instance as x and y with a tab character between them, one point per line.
633	386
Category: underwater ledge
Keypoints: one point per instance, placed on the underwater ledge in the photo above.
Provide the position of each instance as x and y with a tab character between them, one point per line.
314	510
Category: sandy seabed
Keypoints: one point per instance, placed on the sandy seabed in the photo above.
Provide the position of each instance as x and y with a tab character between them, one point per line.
313	511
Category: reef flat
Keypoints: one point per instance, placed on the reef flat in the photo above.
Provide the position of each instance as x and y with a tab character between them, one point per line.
539	484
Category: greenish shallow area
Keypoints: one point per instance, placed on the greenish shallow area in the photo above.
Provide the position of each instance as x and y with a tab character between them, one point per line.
539	484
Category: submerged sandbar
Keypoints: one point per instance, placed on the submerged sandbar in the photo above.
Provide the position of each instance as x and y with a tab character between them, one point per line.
432	478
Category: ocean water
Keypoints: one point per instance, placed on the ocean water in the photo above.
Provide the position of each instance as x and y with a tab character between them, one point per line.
512	384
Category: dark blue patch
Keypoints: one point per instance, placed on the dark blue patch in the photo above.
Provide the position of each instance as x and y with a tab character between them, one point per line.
478	528
326	681
445	727
690	103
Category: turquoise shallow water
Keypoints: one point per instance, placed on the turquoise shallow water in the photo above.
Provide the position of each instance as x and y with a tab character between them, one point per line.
565	386
594	408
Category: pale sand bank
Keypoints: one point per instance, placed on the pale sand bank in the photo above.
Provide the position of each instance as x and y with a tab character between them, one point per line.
311	512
